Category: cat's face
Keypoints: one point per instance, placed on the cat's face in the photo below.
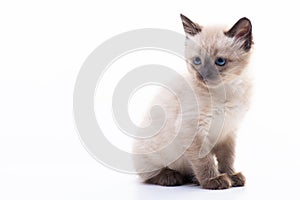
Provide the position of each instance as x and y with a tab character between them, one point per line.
215	55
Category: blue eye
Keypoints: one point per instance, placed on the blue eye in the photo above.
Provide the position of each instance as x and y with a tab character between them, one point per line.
197	61
220	61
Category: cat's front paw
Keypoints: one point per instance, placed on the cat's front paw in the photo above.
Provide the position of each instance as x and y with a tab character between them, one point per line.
237	179
218	183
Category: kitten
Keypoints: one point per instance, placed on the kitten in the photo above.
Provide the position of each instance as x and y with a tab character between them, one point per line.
217	61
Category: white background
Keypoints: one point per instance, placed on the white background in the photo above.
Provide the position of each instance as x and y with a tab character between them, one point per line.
42	47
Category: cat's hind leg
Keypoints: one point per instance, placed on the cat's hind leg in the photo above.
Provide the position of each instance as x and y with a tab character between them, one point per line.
167	177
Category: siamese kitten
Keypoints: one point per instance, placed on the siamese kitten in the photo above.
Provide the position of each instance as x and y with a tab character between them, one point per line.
217	61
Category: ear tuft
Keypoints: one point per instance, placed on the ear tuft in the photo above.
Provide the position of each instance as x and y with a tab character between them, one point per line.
190	28
242	30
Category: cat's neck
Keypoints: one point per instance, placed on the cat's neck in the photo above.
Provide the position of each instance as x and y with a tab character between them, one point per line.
225	92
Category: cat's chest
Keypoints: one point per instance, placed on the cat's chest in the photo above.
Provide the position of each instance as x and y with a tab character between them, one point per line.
231	111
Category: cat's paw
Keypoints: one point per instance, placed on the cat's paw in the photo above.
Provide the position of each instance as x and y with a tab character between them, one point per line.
237	179
167	177
218	183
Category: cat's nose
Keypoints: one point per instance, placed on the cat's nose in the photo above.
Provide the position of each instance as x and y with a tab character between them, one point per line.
204	72
208	71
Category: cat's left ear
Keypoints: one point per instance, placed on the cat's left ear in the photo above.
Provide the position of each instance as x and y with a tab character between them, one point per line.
242	31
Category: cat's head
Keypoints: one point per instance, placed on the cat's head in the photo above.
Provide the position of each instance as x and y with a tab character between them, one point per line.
215	55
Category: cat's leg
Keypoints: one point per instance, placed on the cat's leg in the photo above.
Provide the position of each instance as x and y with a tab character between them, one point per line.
154	171
205	169
177	173
167	177
225	153
207	174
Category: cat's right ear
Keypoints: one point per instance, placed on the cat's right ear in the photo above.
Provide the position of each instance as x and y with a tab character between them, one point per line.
190	28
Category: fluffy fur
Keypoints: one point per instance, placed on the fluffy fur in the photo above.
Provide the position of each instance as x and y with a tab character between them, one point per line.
215	169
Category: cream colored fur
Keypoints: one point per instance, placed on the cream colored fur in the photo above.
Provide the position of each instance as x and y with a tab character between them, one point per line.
209	43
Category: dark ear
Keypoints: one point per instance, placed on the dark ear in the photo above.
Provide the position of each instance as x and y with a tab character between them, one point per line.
190	27
242	31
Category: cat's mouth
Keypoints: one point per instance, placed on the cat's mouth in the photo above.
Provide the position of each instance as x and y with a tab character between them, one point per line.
208	75
208	81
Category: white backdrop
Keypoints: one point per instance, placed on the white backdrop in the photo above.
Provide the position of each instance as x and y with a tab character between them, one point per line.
42	47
